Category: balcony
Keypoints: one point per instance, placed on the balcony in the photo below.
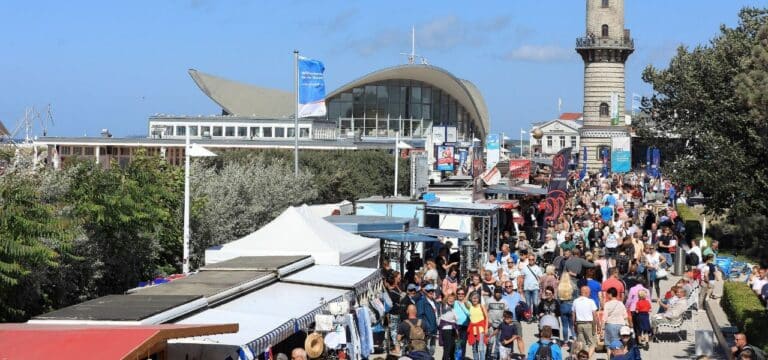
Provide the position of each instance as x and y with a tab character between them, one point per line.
605	43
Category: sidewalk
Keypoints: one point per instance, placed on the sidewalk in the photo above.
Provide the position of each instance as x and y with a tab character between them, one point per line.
664	349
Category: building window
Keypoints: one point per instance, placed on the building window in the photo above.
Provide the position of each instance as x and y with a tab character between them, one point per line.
573	141
600	152
242	131
193	131
230	131
291	132
205	130
181	130
267	132
304	132
77	150
255	132
605	3
279	132
89	150
605	30
562	142
549	141
604	109
169	130
217	131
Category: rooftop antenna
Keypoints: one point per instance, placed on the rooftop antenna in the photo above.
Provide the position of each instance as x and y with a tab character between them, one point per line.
412	55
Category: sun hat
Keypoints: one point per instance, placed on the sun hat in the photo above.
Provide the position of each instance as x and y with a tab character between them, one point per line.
313	345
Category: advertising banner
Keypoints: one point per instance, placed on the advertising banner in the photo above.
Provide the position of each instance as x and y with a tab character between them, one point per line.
558	186
450	134
492	150
491	176
438	135
583	172
656	162
621	155
311	88
519	169
615	119
445	158
465	168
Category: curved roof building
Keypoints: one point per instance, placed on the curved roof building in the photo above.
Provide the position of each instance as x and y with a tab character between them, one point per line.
408	99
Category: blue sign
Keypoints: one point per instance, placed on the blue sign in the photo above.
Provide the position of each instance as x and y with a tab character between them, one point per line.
492	150
621	155
445	158
311	88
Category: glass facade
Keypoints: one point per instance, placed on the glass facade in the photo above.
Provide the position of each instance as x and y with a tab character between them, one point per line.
410	107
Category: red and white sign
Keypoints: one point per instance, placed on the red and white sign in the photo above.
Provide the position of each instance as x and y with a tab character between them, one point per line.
491	176
519	169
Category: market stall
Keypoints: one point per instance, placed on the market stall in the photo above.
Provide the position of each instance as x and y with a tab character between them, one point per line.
297	231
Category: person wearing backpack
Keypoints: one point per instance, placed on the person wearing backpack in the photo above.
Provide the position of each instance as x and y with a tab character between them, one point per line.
412	331
545	348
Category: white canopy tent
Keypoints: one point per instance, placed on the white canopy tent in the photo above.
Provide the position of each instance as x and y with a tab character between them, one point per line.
266	317
297	231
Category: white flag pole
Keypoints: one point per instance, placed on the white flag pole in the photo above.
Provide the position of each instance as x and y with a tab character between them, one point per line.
185	255
296	118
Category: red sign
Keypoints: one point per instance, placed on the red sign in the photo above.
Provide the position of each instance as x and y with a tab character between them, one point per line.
519	169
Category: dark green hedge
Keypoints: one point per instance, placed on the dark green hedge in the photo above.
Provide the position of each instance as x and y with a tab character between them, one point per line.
745	311
691	220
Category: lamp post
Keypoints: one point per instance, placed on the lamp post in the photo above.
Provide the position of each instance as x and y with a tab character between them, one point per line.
189	151
521	141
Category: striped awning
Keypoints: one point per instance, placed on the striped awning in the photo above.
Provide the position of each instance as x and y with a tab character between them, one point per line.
263	342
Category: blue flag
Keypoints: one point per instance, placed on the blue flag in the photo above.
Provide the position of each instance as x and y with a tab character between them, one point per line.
583	172
311	88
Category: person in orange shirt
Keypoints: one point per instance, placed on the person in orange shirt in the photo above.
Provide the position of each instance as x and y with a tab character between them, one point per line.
613	281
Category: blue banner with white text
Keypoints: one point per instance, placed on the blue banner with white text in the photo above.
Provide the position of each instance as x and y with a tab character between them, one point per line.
311	88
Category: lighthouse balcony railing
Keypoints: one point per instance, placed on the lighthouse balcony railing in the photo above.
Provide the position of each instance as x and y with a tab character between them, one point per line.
598	42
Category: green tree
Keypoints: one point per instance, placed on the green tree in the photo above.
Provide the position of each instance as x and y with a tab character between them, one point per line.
724	143
29	230
131	220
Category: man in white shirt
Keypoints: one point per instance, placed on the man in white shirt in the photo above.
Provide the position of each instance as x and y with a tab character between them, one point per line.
695	249
585	319
506	255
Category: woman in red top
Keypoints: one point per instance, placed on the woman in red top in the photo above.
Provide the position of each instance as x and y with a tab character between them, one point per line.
643	324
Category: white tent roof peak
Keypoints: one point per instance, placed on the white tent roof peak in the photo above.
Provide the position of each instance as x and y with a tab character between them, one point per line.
297	231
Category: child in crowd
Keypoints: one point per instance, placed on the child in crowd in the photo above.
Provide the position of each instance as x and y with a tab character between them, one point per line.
508	335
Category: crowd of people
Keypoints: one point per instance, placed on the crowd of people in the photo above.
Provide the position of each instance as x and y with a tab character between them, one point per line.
587	279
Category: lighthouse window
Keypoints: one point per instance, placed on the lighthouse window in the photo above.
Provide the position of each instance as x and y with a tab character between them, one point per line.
605	30
604	109
605	3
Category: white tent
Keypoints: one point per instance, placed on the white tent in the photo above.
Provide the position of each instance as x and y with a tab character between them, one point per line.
297	231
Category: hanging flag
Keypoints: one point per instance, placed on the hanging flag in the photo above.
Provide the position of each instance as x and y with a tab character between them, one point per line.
604	152
520	169
656	162
648	161
311	88
614	108
621	155
583	173
558	186
492	150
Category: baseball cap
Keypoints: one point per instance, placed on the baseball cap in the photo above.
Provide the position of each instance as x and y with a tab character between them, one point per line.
625	330
413	287
616	344
429	287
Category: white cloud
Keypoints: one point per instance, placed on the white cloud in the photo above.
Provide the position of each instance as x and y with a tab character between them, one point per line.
540	53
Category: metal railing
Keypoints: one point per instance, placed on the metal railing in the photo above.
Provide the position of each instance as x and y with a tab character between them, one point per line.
598	42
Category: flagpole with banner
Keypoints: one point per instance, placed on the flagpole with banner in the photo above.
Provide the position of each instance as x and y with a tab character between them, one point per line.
310	95
296	117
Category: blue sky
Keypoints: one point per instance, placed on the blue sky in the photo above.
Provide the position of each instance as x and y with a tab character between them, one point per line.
109	64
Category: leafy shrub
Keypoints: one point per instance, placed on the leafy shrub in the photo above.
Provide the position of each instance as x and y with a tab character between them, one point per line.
691	221
745	311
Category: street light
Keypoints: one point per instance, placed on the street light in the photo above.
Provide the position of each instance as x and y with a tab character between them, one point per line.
398	145
521	141
189	151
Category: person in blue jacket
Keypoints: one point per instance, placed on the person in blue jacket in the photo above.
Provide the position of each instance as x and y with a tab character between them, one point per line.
428	311
545	344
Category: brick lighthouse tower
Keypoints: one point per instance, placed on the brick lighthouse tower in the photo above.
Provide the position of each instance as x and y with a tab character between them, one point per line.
605	47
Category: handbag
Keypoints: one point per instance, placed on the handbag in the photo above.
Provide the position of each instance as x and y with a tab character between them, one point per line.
661	273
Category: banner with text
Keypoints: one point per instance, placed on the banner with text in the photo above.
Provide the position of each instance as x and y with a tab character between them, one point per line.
445	158
492	150
558	186
519	169
621	155
311	88
615	108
